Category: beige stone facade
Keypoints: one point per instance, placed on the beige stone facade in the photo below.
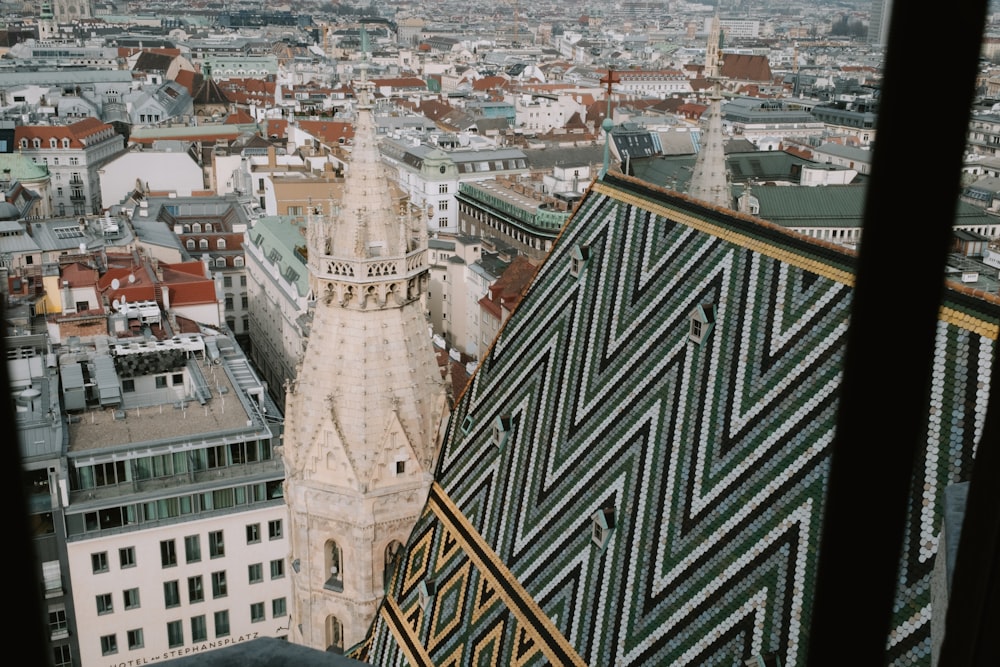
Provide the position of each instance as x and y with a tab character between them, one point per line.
363	418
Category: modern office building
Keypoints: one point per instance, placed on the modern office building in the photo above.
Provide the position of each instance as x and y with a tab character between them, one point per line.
156	493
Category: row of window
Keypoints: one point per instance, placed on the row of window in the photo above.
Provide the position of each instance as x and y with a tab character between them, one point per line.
227	281
198	627
169	508
220	244
192	547
172	593
53	142
167	465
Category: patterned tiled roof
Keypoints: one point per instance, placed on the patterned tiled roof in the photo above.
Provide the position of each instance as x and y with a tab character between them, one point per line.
618	486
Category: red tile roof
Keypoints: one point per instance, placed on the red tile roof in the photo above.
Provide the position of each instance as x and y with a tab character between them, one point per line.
77	132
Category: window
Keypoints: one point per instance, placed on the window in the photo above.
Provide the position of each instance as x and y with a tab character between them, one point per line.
130	597
199	629
253	533
400	467
168	550
578	259
203	244
229	302
171	594
442	222
192	548
256	572
99	561
278	607
135	638
216	547
175	634
222	624
196	591
126	557
227	281
74	161
104	604
219	584
274	529
602	523
189	244
701	321
257	612
220	244
61	656
333	566
245	300
161	381
278	568
109	644
58	626
238	262
442	188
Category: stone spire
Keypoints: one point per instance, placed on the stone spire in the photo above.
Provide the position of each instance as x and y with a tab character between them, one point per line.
710	181
363	420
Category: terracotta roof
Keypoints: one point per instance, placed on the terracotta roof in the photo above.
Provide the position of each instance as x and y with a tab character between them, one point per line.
239	117
78	275
76	132
187	79
153	62
742	67
490	83
401	82
328	131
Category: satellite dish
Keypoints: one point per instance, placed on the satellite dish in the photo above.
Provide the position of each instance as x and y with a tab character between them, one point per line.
115	284
131	278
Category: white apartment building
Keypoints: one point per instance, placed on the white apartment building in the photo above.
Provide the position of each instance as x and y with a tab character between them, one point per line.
175	522
452	300
430	174
543	113
278	290
74	154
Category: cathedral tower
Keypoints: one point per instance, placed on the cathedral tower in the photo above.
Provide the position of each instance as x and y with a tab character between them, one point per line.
710	181
363	419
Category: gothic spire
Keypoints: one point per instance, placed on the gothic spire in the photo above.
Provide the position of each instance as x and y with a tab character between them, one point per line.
710	181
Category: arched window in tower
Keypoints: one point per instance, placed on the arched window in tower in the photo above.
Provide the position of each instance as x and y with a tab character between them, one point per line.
334	635
334	567
393	555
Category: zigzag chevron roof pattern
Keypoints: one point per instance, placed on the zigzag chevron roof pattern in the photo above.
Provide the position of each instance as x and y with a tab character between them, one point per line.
714	455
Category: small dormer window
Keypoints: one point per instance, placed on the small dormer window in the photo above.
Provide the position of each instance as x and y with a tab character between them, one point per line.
467	424
501	431
427	589
601	526
52	143
220	244
701	321
65	143
578	260
24	143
